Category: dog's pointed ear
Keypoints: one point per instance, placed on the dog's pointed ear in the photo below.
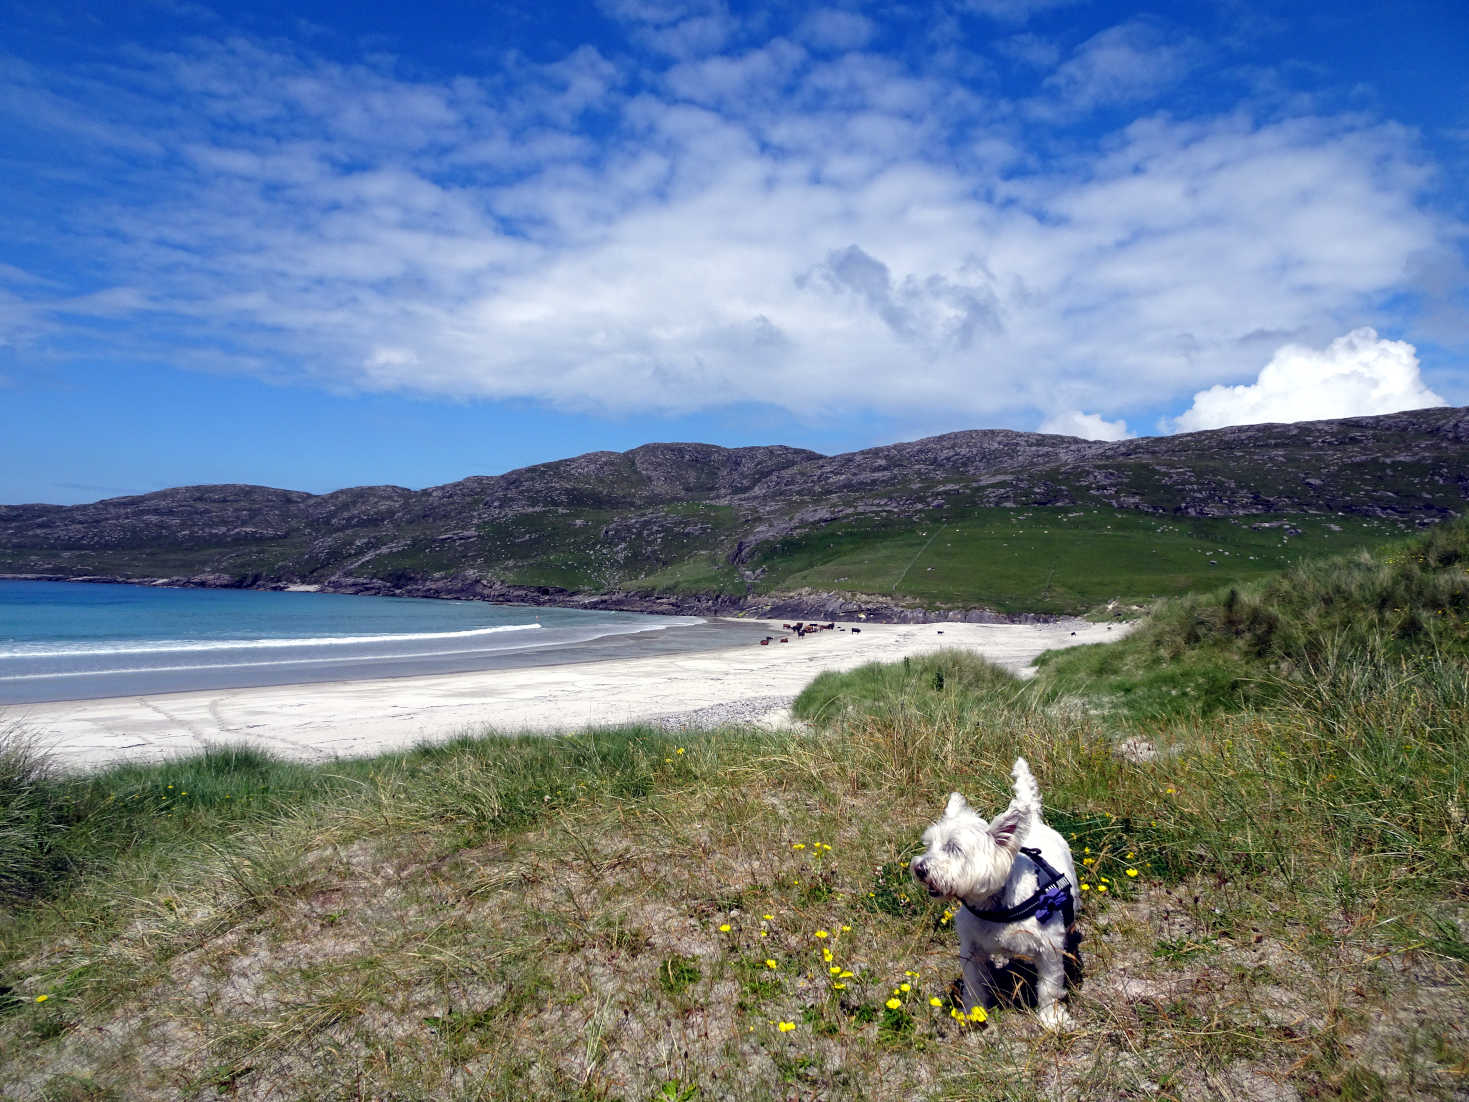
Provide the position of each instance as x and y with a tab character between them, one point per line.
1005	830
957	803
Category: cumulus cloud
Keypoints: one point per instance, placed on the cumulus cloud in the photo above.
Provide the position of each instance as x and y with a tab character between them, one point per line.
1356	375
1088	426
813	230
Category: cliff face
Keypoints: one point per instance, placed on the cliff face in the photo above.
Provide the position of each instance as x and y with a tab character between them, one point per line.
692	519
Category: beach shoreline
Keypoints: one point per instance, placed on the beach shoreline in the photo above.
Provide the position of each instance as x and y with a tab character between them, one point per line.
325	720
820	605
612	642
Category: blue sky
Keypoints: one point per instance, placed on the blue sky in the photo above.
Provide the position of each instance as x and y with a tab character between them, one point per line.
315	245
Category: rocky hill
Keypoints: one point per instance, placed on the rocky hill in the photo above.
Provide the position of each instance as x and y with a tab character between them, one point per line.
694	526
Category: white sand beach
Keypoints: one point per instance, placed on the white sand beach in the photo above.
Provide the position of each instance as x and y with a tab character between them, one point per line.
348	718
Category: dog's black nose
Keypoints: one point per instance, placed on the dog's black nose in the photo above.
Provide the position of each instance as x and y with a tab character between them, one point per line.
919	868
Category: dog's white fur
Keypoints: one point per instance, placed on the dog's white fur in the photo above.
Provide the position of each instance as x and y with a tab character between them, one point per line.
980	864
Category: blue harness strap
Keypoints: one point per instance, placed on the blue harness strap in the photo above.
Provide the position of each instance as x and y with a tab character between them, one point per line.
1052	897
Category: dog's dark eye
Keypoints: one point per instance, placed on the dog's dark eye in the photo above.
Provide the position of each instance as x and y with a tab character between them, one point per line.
953	849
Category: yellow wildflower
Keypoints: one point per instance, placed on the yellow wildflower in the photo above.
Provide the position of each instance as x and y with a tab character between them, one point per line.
769	963
893	1004
822	933
977	1014
1132	872
42	998
786	1027
935	1001
724	928
905	987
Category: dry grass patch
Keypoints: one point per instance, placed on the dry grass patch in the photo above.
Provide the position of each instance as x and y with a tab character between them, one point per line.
702	941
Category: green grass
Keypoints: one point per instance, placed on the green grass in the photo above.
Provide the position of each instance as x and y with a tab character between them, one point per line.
706	574
727	914
920	686
1033	560
1053	560
1249	643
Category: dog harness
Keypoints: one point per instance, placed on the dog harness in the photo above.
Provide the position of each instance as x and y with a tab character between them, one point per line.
1052	896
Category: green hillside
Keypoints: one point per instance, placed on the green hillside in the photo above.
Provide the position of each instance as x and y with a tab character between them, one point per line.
1055	560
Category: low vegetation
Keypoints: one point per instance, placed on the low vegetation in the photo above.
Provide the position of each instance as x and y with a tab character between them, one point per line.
1404	607
1054	560
1273	869
1042	559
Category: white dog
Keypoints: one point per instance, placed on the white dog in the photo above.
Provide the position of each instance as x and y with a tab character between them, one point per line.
1017	883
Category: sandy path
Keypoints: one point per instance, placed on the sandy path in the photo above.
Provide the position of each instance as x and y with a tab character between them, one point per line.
344	718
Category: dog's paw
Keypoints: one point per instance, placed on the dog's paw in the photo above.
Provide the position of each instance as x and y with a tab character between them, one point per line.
1055	1017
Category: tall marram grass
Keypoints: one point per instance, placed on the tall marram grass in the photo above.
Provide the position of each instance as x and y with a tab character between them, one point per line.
30	816
1241	646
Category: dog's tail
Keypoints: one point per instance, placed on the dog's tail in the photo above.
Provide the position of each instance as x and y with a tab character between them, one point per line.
1027	792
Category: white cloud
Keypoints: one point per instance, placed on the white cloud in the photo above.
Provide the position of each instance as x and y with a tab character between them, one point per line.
1127	63
834	29
773	225
1088	426
1355	375
1029	49
1014	11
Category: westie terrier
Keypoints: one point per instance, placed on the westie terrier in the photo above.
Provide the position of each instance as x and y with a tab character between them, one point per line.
1017	885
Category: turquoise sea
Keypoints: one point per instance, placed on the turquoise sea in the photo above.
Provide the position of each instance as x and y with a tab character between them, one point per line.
69	641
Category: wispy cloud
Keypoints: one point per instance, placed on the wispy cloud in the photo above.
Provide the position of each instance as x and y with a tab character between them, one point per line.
1129	63
1013	11
834	29
789	220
